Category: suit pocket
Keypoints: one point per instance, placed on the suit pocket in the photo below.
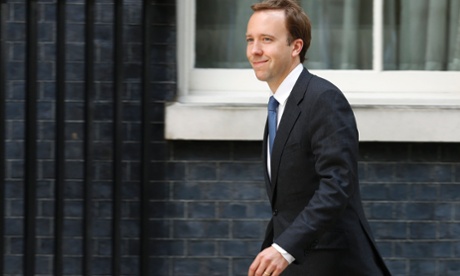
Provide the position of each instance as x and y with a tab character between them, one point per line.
332	240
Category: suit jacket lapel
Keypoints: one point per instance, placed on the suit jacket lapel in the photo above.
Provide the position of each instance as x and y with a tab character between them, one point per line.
265	152
288	120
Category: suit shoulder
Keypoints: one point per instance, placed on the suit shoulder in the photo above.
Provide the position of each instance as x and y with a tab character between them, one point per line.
318	86
321	84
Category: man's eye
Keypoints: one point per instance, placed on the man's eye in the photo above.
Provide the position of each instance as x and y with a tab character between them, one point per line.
249	40
267	39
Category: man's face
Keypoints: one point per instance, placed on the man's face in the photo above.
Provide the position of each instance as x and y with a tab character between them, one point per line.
267	47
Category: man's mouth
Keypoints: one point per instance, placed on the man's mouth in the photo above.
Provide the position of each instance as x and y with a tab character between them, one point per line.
258	63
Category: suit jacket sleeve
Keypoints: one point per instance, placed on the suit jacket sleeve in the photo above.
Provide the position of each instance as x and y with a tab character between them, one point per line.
332	135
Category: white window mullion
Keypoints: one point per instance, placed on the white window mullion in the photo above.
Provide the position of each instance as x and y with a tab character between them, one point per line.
378	36
185	44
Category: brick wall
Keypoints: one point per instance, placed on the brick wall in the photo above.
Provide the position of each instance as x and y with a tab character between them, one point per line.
103	126
411	194
212	210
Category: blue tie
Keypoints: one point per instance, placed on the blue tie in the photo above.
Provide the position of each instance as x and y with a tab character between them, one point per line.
272	118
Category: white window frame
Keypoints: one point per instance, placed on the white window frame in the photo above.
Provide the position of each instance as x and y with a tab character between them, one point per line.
389	105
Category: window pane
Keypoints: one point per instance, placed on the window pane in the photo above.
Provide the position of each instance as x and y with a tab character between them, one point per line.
422	35
341	33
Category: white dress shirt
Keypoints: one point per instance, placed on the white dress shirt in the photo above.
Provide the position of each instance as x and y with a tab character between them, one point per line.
281	95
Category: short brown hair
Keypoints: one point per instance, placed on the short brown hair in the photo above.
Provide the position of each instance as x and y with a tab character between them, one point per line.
297	22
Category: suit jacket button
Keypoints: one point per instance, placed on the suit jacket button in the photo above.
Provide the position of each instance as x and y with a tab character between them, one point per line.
275	212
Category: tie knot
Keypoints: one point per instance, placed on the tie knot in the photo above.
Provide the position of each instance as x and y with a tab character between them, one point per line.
272	104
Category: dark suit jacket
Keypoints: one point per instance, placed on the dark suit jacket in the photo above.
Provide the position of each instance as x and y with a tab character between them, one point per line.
314	191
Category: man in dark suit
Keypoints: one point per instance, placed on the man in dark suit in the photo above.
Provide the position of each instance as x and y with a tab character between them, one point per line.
318	225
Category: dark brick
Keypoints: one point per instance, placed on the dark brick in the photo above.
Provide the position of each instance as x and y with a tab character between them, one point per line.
15	111
424	192
389	230
239	248
16	31
101	227
423	173
379	172
13	265
422	267
74	170
241	171
199	248
14	190
15	207
201	228
14	246
102	190
72	265
424	249
201	210
444	211
164	14
201	191
130	228
73	189
46	131
17	51
14	149
160	266
103	247
103	150
101	265
449	231
74	31
160	228
164	34
418	211
200	151
73	227
377	210
167	209
450	192
383	152
456	173
449	267
420	231
201	266
175	170
202	171
167	248
247	151
14	226
45	246
249	229
130	265
397	267
73	246
73	208
249	191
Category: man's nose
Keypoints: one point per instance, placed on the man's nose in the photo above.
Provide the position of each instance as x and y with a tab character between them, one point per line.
256	48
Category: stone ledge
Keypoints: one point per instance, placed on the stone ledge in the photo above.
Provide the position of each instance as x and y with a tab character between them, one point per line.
387	122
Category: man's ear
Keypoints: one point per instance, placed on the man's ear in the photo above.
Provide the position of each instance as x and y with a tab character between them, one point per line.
298	45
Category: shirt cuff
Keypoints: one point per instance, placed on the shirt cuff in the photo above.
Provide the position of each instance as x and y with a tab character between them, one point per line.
284	253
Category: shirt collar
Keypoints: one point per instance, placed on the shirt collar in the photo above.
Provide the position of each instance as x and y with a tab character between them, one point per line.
285	88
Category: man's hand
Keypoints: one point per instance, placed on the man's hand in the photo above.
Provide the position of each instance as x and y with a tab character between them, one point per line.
268	262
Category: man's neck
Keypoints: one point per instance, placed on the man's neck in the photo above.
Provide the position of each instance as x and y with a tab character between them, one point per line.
274	87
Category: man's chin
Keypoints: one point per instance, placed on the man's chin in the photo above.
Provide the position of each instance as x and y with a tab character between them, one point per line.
260	76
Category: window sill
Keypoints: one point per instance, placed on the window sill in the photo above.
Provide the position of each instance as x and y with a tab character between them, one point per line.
402	117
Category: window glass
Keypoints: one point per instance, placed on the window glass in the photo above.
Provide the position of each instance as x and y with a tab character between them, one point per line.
422	35
341	33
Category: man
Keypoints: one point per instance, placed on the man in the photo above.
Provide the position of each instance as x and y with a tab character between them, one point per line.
318	225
